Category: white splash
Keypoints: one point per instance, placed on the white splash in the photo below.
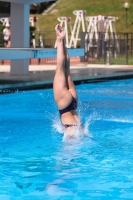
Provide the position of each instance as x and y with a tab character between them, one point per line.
75	133
57	126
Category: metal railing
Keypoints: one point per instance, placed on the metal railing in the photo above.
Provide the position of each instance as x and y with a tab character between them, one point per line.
104	48
114	49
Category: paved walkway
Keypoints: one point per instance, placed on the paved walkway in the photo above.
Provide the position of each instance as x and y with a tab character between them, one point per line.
41	76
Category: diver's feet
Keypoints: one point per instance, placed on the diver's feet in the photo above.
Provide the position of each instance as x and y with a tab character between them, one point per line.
59	32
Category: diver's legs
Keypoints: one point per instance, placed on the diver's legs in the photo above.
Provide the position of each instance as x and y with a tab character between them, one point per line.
61	94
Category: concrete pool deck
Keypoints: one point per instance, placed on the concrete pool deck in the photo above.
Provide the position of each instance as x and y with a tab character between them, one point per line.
41	76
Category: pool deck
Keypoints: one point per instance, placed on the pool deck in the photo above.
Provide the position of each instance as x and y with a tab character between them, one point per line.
41	76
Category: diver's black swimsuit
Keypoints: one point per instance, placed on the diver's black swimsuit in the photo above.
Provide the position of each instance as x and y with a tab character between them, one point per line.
72	106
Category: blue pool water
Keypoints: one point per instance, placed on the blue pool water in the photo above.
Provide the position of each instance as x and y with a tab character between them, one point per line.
35	162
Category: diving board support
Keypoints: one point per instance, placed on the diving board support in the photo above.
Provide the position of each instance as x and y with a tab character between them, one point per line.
19	36
28	53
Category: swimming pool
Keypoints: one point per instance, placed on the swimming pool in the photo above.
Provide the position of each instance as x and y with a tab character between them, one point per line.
36	164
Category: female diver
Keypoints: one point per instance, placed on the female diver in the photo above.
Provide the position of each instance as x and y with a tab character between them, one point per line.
64	90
